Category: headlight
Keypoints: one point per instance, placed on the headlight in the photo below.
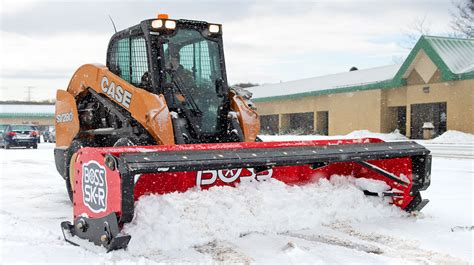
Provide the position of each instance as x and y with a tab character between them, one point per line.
170	24
214	29
156	24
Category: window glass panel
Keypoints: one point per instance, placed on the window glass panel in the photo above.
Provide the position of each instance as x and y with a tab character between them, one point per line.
139	60
129	59
123	53
196	58
120	59
197	69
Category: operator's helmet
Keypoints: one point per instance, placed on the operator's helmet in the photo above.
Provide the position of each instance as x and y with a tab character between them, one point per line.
172	55
171	52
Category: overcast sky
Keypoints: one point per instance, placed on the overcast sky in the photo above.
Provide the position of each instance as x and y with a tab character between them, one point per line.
44	42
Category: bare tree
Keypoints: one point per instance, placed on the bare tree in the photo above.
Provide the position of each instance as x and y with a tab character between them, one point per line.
462	18
398	59
419	26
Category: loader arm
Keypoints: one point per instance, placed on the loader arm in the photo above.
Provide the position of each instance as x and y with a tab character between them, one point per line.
148	109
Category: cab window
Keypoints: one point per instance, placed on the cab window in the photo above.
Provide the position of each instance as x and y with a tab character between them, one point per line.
128	59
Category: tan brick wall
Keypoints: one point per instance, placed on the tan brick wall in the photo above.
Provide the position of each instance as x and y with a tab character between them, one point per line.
371	109
459	96
396	96
345	112
355	111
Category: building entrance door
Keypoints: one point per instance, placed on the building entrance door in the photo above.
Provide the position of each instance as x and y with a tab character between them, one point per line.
269	124
430	112
301	123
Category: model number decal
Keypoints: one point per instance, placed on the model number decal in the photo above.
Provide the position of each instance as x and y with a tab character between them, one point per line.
118	93
64	117
209	177
94	186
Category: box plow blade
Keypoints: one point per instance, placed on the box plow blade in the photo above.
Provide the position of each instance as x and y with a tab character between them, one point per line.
108	181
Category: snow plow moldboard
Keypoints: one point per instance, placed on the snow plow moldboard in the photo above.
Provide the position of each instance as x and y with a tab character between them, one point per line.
108	181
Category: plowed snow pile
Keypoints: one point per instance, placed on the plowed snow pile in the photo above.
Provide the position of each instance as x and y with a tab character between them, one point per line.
454	137
183	220
393	136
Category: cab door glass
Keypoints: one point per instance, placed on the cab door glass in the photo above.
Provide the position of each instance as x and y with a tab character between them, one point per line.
139	60
122	55
195	64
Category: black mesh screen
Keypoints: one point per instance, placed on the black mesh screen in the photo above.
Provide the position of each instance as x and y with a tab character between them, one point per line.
129	59
139	60
197	55
120	59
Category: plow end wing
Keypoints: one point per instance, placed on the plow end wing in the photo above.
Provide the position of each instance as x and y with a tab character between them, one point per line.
100	231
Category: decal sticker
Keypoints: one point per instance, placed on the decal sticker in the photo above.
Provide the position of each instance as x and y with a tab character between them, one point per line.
94	186
209	177
64	117
118	93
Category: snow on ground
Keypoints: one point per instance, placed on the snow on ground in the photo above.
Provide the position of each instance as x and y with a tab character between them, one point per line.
456	137
394	136
453	144
449	137
327	222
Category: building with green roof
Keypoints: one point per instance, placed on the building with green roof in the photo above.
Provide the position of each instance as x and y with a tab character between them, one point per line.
433	86
27	113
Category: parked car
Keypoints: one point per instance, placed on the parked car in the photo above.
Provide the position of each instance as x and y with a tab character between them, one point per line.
2	131
50	135
19	135
38	135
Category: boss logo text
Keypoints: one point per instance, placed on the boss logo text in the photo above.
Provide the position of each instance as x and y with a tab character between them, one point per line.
94	186
209	177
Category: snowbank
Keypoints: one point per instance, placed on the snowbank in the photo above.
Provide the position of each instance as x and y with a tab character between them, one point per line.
183	220
393	136
454	137
33	201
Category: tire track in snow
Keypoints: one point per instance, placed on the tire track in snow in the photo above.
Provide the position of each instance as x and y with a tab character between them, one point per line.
397	247
326	239
223	252
332	240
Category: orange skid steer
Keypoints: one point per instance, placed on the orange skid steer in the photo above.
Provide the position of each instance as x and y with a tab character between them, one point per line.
160	118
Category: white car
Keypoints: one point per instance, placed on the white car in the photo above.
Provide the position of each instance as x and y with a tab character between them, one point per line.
50	135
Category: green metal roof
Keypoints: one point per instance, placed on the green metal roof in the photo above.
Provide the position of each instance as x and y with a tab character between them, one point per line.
457	54
377	85
454	58
27	115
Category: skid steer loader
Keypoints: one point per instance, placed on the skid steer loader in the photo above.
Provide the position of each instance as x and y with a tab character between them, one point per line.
160	118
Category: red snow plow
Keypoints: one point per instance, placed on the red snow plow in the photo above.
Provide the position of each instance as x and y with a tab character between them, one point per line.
160	118
108	181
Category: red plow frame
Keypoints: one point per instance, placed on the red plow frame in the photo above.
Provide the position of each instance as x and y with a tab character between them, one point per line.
108	181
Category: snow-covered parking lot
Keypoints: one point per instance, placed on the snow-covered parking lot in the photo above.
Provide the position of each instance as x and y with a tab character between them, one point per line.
326	222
